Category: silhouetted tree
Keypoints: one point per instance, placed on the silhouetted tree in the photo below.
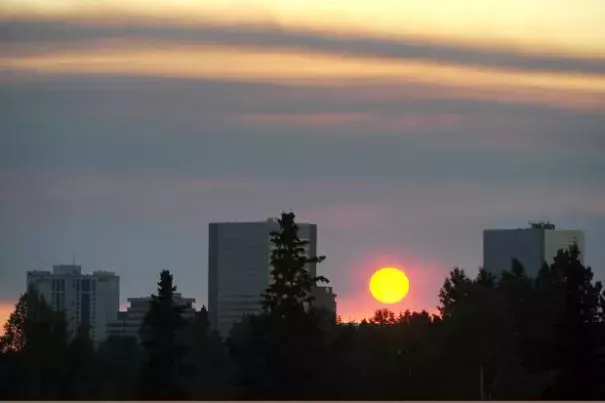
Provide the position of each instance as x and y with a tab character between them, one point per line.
419	339
455	288
289	292
577	300
348	365
162	368
383	317
283	346
479	332
35	338
118	361
80	366
209	360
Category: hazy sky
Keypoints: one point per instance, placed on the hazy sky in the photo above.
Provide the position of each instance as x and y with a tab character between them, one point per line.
402	128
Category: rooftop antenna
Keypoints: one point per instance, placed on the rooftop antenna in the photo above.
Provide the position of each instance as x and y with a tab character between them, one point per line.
73	259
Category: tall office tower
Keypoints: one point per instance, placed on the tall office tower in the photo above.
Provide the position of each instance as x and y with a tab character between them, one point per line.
129	322
88	299
239	268
530	246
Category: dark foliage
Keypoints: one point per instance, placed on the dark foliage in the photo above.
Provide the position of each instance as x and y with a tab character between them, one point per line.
162	367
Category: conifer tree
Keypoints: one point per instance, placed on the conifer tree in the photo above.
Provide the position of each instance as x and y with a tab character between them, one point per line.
162	368
291	282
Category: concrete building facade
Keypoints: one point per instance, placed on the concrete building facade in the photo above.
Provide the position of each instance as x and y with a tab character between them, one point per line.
86	299
129	322
530	246
239	268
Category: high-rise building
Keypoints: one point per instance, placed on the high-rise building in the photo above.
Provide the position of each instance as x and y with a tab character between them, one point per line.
86	299
129	322
239	268
530	246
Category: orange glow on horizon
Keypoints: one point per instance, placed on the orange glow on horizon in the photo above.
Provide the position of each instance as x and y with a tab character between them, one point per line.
5	311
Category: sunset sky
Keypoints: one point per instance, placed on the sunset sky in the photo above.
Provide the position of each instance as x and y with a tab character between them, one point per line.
403	128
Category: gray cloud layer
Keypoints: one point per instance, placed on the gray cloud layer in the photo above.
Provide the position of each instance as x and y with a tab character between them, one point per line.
138	126
26	36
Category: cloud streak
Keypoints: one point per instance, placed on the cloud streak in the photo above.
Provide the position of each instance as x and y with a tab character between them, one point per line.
28	36
224	63
47	127
290	54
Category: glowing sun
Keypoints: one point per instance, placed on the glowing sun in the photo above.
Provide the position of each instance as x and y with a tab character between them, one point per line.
389	285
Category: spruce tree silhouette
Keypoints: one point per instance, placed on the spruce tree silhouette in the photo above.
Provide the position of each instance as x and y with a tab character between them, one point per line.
289	293
283	346
162	369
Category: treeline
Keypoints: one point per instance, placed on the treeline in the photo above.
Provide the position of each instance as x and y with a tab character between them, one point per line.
502	338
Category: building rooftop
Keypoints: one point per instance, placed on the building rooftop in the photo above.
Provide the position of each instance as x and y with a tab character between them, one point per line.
270	220
541	225
39	272
537	225
103	273
69	270
63	269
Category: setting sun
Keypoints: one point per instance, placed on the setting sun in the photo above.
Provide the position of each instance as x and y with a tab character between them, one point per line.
389	285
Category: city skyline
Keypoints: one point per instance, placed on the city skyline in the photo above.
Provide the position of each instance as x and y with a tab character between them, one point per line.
562	239
127	126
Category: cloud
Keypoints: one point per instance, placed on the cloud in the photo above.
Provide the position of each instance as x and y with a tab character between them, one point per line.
562	91
360	121
298	57
183	128
22	37
221	62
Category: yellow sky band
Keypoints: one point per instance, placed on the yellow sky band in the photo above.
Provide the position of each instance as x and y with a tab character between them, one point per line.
549	26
